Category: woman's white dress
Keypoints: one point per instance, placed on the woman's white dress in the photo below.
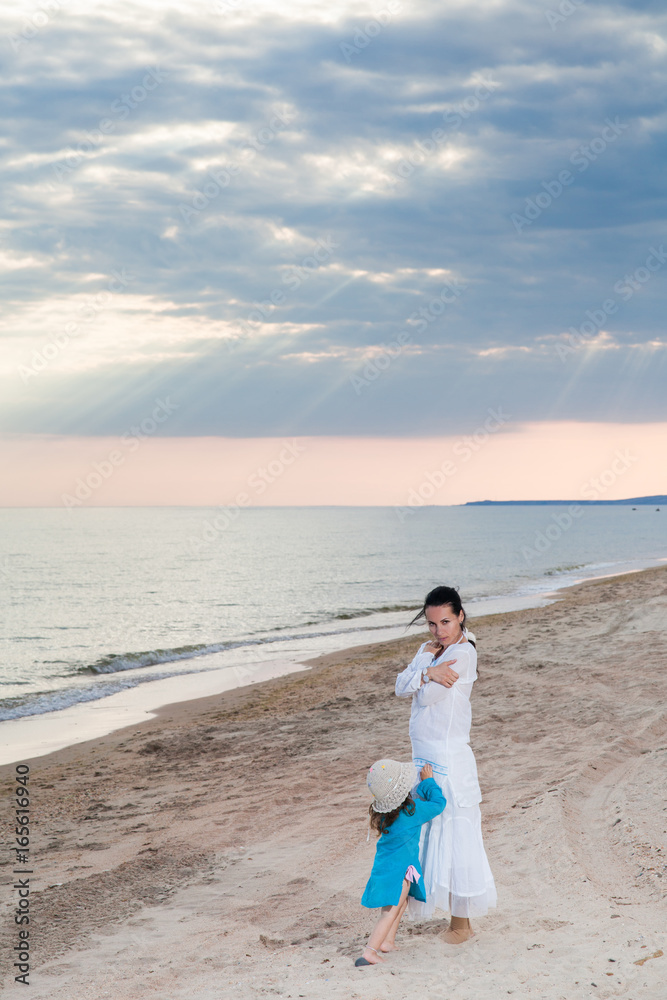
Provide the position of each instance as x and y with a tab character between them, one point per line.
457	876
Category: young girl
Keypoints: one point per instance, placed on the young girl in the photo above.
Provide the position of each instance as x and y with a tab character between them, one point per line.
397	818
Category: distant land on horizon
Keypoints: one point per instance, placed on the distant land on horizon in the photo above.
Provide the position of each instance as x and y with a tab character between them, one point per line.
543	503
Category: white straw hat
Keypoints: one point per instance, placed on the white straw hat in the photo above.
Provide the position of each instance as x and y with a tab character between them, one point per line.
389	782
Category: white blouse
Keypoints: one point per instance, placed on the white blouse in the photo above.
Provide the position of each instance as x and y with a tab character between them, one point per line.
440	718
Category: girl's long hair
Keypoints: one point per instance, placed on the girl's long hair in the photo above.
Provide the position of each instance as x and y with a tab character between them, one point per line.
380	822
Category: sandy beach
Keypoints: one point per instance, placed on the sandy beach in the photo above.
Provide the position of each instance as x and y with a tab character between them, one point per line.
219	850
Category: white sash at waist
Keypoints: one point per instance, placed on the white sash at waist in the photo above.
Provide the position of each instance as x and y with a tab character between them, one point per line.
454	765
437	768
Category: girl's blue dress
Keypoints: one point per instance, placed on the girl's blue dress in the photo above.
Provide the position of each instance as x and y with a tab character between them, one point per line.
398	848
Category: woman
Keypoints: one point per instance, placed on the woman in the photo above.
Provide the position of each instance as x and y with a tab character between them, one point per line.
457	876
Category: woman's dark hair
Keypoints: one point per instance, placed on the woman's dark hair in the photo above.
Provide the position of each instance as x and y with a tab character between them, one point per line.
438	597
380	822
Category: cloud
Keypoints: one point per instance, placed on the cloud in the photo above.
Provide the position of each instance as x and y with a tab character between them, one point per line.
287	207
312	387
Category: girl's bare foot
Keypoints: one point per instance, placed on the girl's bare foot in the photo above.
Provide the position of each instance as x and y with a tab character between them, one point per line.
387	947
371	956
459	930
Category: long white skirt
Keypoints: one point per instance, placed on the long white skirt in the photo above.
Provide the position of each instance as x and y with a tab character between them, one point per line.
457	875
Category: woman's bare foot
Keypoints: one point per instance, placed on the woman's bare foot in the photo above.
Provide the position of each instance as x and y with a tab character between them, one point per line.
371	956
459	930
388	946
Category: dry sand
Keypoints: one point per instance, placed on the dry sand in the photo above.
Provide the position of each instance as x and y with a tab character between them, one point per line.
220	850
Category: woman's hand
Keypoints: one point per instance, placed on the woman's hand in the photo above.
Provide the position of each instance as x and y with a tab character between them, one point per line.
434	647
442	673
426	772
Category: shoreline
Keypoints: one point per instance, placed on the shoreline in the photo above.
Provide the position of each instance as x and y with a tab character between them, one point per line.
31	736
233	826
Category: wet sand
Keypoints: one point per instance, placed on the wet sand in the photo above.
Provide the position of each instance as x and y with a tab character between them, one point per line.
219	850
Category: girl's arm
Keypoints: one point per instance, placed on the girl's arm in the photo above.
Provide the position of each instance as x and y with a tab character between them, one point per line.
429	801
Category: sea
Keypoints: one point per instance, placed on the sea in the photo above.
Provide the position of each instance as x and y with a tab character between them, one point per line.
144	606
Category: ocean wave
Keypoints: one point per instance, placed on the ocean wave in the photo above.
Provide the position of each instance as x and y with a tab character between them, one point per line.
116	662
588	567
380	610
559	570
42	702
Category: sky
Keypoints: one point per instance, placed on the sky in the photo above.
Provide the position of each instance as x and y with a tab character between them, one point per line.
369	230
